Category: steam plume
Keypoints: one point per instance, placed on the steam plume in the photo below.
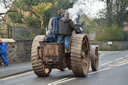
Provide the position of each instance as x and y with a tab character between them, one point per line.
87	7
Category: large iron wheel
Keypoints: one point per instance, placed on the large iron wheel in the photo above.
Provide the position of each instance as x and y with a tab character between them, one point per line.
39	69
80	55
94	59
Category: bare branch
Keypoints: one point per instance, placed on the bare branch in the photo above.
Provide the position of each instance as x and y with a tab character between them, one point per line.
7	3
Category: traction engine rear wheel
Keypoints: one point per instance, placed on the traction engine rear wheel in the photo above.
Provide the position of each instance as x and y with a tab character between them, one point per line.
39	69
80	55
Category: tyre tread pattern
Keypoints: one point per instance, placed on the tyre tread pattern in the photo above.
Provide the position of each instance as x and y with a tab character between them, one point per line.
37	64
76	61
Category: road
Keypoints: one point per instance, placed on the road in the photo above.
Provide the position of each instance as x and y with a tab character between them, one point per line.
113	70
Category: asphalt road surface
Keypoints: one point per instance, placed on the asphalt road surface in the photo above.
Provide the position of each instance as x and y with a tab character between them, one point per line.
113	70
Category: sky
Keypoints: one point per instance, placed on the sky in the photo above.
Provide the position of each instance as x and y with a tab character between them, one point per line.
2	8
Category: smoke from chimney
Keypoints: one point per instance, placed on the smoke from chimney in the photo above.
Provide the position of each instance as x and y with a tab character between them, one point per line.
87	7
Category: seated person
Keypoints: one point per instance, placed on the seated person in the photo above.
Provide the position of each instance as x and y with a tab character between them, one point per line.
66	27
53	27
55	24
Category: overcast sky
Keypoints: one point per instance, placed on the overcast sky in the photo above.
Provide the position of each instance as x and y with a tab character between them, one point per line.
2	8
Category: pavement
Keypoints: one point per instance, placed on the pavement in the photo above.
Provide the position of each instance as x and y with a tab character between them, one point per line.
14	69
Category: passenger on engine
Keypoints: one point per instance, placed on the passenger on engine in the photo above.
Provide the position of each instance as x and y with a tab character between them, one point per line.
55	24
53	28
66	27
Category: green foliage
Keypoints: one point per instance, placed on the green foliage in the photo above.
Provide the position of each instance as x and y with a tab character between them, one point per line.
0	26
41	8
37	8
32	35
88	25
113	33
126	35
57	5
15	17
62	4
26	4
32	21
35	14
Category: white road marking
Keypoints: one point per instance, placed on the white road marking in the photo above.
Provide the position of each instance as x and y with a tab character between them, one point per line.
64	81
99	71
107	63
119	58
17	75
57	81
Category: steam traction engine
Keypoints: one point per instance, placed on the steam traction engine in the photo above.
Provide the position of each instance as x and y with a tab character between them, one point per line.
47	56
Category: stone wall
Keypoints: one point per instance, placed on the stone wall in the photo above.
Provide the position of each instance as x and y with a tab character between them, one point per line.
112	45
23	51
18	51
11	53
116	45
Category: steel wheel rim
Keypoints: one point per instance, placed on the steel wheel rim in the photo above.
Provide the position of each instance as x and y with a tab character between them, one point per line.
85	56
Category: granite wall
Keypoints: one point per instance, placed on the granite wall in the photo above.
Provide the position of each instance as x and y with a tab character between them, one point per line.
18	51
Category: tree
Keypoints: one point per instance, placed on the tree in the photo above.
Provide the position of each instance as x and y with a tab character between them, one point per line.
15	17
40	10
37	17
121	11
116	11
88	25
109	12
